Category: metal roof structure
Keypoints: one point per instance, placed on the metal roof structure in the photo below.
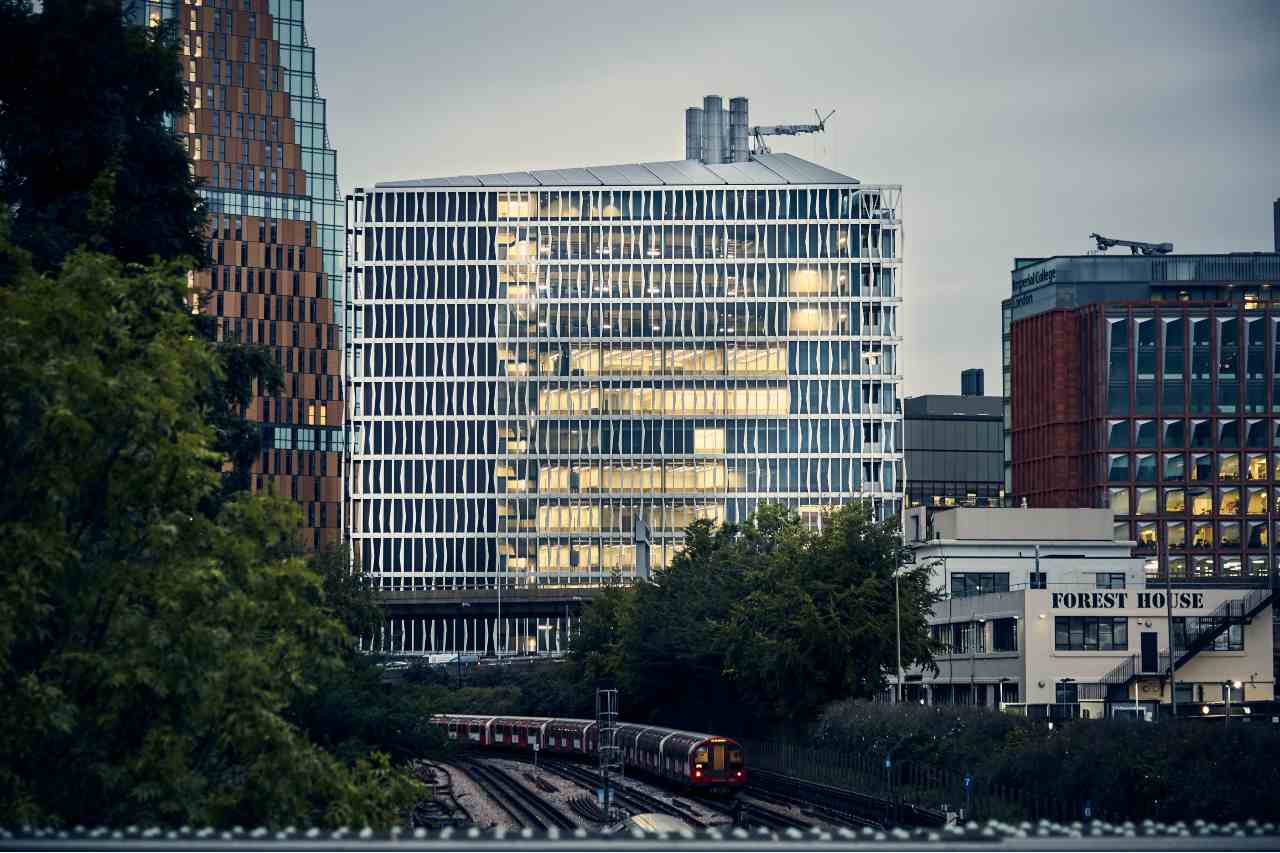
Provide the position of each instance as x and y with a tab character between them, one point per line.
760	169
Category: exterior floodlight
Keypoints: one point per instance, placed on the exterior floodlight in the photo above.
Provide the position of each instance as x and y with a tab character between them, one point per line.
1204	709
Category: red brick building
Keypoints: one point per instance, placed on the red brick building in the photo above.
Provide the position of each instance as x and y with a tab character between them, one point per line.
1151	385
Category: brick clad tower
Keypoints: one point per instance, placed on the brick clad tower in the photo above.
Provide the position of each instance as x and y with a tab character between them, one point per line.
257	138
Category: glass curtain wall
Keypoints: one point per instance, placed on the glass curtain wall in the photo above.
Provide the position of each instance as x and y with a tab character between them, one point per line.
549	385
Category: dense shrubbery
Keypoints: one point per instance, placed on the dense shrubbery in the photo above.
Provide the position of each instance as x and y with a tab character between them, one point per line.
1170	771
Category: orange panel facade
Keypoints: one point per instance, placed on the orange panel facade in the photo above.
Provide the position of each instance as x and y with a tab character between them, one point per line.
269	178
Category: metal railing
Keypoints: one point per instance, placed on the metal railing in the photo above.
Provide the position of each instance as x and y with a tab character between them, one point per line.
1234	611
902	785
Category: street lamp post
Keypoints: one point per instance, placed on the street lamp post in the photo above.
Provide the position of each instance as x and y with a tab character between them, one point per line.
897	613
1229	686
458	652
973	655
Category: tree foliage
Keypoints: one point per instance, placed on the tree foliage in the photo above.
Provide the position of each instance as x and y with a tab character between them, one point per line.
148	650
166	653
86	158
759	622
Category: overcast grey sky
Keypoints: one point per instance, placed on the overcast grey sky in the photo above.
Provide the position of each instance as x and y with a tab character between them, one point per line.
1015	128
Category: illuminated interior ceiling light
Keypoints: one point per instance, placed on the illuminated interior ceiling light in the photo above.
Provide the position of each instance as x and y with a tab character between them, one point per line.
653	253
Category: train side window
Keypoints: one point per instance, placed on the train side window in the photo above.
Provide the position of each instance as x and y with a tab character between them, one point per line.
701	756
735	757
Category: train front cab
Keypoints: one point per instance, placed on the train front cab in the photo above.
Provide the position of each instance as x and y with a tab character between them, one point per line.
718	762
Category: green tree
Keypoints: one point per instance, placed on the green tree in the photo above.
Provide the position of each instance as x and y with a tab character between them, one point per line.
759	623
673	667
148	651
87	158
817	622
84	105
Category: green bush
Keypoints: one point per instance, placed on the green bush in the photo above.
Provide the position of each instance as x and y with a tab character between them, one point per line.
1171	771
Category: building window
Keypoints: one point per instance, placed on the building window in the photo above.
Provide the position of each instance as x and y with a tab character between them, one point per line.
1230	640
1004	635
1066	693
1109	580
1091	633
964	584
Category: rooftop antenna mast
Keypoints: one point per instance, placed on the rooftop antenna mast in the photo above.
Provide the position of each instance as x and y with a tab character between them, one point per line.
759	132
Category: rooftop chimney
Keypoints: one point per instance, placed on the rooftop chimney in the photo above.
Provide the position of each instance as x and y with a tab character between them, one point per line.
739	152
693	133
713	129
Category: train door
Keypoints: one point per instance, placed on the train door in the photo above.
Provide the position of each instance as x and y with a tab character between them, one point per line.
717	759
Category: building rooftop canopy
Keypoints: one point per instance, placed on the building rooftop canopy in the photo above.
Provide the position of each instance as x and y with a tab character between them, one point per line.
760	169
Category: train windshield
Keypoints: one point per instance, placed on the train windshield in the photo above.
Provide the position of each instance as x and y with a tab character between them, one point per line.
734	756
701	755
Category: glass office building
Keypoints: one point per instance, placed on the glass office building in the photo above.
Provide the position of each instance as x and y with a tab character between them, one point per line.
552	374
258	141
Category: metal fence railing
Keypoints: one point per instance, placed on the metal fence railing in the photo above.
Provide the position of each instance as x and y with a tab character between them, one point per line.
964	795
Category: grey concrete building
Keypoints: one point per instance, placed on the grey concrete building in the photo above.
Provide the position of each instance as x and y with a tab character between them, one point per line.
953	448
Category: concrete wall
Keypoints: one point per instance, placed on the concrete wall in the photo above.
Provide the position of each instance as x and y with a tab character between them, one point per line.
1024	524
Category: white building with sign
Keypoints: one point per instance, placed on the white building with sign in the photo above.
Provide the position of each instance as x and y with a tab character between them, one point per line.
981	550
1082	634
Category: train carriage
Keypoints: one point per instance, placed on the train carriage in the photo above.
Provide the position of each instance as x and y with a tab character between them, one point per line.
694	758
688	758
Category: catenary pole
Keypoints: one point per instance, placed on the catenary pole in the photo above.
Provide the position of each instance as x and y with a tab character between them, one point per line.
1168	612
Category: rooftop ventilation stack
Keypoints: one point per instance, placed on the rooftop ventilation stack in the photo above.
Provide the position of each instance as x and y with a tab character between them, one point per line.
739	146
693	133
713	129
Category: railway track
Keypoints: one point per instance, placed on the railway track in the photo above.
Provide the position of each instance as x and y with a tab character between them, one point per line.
826	815
755	815
838	805
635	801
751	814
525	807
446	791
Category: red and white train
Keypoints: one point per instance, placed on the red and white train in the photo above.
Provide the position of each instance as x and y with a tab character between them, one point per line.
686	758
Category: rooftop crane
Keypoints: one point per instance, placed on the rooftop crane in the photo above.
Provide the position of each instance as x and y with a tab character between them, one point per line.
1135	246
761	131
